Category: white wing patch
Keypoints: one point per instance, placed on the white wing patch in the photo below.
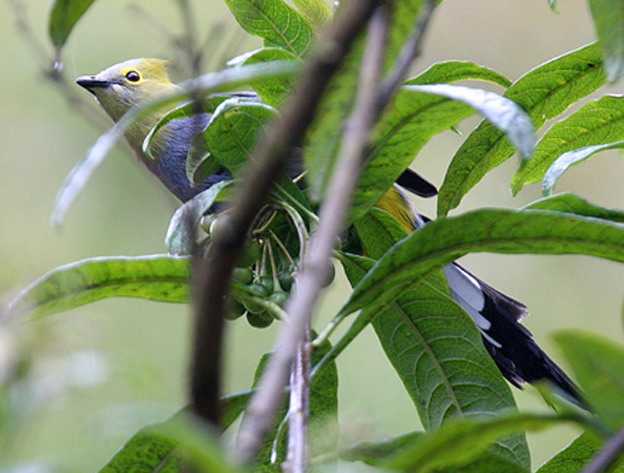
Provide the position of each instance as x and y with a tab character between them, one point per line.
467	292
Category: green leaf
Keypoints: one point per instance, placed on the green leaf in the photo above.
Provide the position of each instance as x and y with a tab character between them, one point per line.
322	142
63	17
413	120
459	441
274	21
487	462
453	71
199	165
576	456
501	112
544	93
374	453
573	204
597	123
379	231
272	92
181	233
233	405
147	451
185	110
161	448
408	125
233	130
608	18
316	12
435	347
154	277
204	85
570	158
501	231
598	365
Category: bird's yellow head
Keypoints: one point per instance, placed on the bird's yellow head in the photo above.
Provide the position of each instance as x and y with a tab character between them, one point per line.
124	85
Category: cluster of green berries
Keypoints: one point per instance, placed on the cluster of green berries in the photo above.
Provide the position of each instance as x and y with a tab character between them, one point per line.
264	287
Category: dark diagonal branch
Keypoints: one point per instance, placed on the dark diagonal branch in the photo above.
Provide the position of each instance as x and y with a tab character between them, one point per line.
613	450
266	162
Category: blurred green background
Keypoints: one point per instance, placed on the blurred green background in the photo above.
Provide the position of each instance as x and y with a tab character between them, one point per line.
102	371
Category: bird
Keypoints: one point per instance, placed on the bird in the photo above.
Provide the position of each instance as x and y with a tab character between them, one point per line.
497	316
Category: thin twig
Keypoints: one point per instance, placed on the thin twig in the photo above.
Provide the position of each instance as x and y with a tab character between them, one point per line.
410	51
299	409
331	221
608	455
269	157
314	269
193	54
55	73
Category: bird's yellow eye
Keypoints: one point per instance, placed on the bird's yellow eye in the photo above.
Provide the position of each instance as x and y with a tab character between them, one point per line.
133	76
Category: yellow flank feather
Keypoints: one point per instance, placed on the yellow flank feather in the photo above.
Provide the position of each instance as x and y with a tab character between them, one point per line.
395	203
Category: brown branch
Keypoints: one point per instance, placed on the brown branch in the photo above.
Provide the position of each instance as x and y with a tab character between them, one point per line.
268	159
608	455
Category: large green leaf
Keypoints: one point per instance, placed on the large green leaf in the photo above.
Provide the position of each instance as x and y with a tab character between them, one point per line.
462	440
63	17
570	158
233	130
414	118
316	12
598	364
576	456
501	112
434	346
599	122
322	141
453	71
544	93
274	21
501	231
608	18
154	277
573	204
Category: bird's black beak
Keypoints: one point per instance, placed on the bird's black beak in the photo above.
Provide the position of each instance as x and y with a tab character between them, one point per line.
90	83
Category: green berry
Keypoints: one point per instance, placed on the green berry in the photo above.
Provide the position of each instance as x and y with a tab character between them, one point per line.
267	281
251	253
279	298
286	281
243	275
234	309
259	320
331	274
259	291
